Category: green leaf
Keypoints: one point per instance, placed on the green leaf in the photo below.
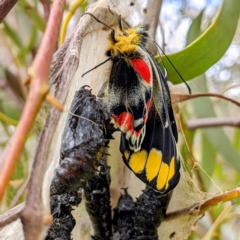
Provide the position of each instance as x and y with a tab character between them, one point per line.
194	30
7	120
8	108
12	34
236	141
32	13
207	49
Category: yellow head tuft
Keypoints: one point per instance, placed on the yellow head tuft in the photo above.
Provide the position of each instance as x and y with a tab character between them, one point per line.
126	42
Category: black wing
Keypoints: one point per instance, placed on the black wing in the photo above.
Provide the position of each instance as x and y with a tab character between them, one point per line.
157	163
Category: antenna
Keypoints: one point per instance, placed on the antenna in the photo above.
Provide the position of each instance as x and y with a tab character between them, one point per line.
100	64
188	87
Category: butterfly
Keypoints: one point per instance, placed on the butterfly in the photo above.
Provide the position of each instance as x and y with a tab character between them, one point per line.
139	102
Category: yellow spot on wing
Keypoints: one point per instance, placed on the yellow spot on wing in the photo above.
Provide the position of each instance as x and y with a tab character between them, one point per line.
153	164
126	154
162	176
137	161
171	171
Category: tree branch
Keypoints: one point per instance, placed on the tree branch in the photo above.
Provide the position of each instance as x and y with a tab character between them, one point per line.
184	97
200	208
11	215
194	210
5	7
38	90
213	122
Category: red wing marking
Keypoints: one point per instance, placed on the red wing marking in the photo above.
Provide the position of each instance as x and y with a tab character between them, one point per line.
124	120
148	104
141	67
145	116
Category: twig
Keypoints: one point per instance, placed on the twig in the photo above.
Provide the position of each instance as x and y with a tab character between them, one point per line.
32	214
199	208
194	210
184	97
19	193
5	7
11	215
208	122
38	91
214	122
234	85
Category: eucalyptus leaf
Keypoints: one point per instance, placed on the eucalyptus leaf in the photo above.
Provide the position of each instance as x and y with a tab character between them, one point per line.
194	30
236	141
33	14
12	34
208	48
